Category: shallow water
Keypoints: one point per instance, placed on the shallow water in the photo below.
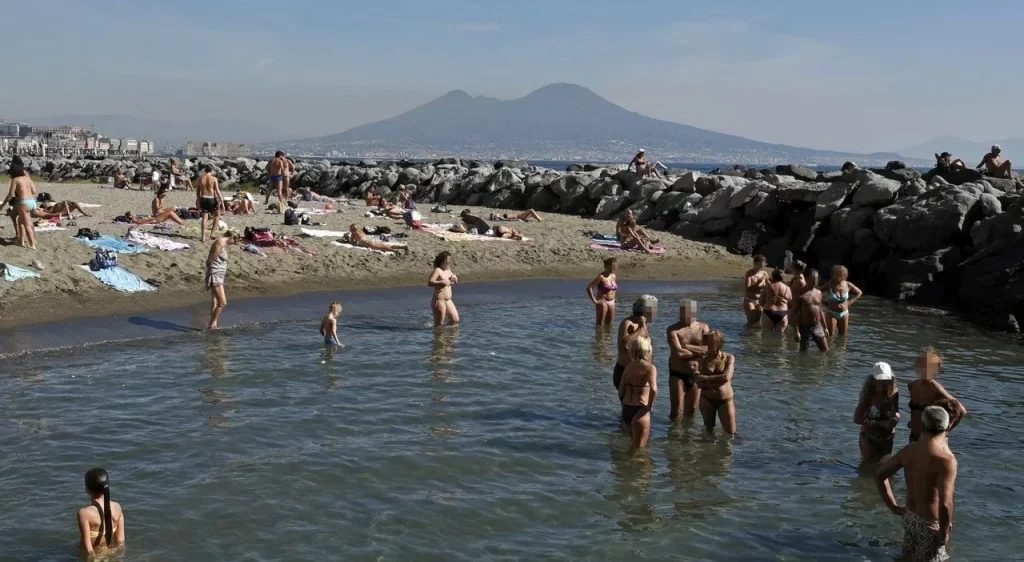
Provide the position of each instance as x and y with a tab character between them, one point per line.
496	441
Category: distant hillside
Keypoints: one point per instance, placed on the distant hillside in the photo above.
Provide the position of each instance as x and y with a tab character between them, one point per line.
970	151
168	136
558	121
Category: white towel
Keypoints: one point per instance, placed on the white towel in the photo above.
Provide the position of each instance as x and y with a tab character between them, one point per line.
351	247
149	240
48	228
323	233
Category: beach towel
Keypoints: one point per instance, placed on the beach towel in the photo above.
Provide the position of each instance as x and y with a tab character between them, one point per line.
89	205
312	212
437	225
49	228
616	247
351	247
323	233
121	279
14	273
115	244
156	242
445	234
605	238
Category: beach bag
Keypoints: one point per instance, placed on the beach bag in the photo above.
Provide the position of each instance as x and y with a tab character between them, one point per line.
263	237
413	218
105	259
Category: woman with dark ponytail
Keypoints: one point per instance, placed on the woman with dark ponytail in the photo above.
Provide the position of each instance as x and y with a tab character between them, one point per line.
100	524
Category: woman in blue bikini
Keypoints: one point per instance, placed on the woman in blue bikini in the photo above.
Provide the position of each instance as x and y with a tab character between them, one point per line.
606	287
839	295
22	197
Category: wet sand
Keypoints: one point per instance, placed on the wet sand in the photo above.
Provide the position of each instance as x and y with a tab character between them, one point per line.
559	249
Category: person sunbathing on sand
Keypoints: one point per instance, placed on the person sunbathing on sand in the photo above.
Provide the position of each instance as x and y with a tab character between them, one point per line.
524	216
163	216
506	232
628	219
60	209
357	238
158	201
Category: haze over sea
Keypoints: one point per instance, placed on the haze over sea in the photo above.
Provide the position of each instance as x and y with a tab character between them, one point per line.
495	440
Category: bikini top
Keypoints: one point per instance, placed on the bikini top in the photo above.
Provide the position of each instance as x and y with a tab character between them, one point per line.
97	534
719	364
607	287
634	386
778	299
832	296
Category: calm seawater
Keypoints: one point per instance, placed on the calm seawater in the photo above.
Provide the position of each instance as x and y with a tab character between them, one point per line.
495	441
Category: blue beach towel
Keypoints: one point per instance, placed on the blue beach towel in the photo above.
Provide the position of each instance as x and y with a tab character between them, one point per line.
605	238
116	244
13	273
120	279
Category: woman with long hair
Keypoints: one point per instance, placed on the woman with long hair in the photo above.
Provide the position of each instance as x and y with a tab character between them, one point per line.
606	287
100	524
878	413
839	295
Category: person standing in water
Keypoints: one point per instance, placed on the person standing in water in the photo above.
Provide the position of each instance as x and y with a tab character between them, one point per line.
441	280
878	413
755	280
645	309
638	390
809	316
715	381
209	201
216	275
840	297
926	391
606	287
929	468
775	302
798	285
685	342
329	324
100	525
22	196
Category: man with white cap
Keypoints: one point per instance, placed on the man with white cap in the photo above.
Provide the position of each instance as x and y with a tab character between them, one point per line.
643	169
929	468
994	164
878	413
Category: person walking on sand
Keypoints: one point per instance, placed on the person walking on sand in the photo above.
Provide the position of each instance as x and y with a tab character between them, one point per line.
994	164
606	287
441	280
100	525
755	280
276	169
645	309
715	381
685	342
926	391
809	317
929	469
22	195
329	325
877	413
638	390
209	201
216	275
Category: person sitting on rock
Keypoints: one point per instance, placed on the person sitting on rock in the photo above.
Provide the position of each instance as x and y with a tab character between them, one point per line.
643	169
945	161
994	164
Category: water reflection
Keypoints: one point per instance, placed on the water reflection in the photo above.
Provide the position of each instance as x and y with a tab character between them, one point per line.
217	404
443	351
697	468
632	471
602	349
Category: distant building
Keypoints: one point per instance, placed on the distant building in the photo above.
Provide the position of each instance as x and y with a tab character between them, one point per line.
192	149
10	130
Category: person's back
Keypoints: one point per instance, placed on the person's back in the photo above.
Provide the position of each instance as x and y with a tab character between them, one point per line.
924	467
208	185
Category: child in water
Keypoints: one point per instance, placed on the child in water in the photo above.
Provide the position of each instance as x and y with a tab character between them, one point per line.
329	325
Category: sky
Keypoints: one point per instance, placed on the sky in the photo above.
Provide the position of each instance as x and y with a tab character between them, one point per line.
860	76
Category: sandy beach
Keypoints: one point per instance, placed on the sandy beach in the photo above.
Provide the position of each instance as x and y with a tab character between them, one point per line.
559	248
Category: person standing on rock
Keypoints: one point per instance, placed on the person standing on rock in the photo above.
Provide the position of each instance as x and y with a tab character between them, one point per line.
685	343
645	309
441	280
756	280
994	164
929	469
840	296
216	275
809	317
209	201
276	169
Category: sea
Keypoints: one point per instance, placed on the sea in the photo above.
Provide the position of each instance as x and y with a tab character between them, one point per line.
496	440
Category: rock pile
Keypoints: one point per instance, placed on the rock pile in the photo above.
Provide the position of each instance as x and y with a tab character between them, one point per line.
940	239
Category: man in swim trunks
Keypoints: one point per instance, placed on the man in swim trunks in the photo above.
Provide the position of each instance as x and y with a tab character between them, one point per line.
929	469
809	316
774	302
994	164
685	343
277	168
329	324
755	280
645	309
209	200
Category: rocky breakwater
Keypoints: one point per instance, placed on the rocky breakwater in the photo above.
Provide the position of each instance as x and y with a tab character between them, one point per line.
950	239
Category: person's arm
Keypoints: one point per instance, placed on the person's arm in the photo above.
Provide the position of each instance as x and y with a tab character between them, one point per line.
894	421
751	282
862	408
217	193
83	532
214	251
652	379
855	294
961	412
711	381
119	534
334	329
675	346
882	476
945	484
590	288
437	280
984	161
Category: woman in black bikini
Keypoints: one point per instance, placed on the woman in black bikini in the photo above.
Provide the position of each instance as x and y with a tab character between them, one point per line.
715	382
774	301
926	391
878	413
638	390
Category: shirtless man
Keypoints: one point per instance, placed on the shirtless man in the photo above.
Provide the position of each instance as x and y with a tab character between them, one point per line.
289	169
994	164
277	169
645	309
809	317
329	325
929	468
685	344
209	200
442	279
756	280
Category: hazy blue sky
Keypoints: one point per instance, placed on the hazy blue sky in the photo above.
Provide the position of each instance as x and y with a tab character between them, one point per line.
860	76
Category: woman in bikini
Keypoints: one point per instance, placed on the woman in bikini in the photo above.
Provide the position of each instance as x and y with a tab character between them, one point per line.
441	280
357	238
500	231
606	287
774	302
22	196
926	391
878	413
755	281
638	390
839	296
631	238
100	525
715	382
